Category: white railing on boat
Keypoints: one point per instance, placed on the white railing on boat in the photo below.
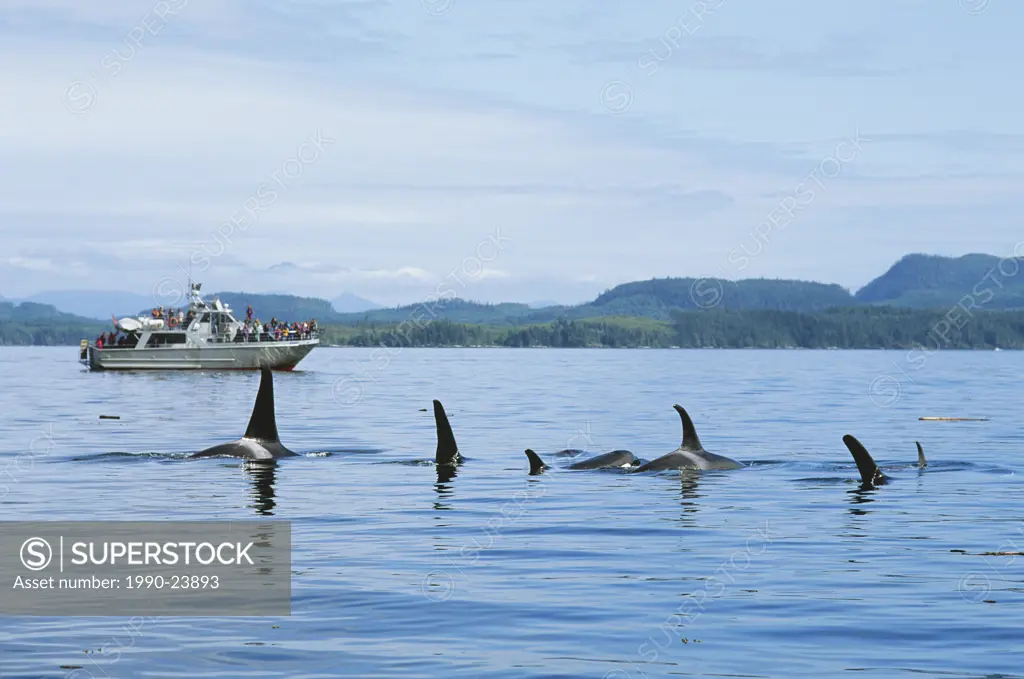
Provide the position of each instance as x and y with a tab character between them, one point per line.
265	338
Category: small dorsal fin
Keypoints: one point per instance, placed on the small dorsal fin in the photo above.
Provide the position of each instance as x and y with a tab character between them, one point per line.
690	440
447	449
262	423
921	462
536	464
870	474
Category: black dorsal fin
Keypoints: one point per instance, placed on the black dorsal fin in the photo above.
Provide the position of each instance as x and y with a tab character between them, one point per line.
870	474
690	440
921	462
262	423
536	464
447	449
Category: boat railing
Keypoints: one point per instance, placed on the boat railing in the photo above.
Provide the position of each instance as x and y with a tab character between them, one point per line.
263	338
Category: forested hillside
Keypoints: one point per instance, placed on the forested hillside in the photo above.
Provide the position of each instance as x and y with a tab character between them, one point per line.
931	282
41	324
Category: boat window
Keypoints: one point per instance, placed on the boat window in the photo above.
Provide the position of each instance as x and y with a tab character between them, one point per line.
205	318
165	338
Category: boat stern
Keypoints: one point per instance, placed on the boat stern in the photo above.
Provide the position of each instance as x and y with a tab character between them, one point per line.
286	356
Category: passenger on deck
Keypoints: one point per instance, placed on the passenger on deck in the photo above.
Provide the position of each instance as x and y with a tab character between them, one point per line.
245	331
248	313
258	329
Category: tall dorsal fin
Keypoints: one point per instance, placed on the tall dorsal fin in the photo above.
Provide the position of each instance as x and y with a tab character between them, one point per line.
870	474
536	464
262	423
447	449
921	462
690	440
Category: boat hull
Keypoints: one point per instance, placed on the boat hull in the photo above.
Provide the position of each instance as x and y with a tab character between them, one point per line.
227	356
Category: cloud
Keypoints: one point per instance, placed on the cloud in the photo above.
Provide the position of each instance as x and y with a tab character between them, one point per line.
32	263
339	273
433	147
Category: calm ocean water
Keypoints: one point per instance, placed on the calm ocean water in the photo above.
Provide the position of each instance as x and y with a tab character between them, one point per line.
781	569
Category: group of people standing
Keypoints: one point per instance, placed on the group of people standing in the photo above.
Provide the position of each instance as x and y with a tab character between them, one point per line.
255	331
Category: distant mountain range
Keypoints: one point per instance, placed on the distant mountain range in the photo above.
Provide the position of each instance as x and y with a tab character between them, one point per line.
346	302
101	304
96	304
916	281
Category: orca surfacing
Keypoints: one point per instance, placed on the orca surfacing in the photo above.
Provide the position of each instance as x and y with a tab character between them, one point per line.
260	441
690	454
870	474
616	458
447	457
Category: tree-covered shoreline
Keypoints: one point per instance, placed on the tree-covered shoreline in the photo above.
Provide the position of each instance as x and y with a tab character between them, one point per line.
846	328
841	328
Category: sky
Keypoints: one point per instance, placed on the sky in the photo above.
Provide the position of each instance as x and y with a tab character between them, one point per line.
505	151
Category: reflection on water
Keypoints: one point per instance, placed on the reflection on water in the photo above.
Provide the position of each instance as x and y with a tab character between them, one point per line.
261	477
689	480
445	473
444	489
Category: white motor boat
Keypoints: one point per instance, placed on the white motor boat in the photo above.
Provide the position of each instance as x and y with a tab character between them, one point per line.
206	337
